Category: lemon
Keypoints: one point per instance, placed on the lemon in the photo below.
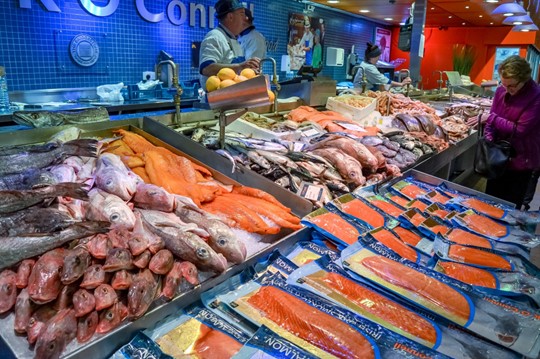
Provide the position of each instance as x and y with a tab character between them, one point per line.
272	96
212	83
226	73
226	83
240	78
248	73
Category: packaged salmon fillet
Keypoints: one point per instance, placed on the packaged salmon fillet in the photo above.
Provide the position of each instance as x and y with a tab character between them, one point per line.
276	262
436	197
266	344
305	252
359	210
485	207
498	231
505	322
334	226
409	188
492	281
385	205
329	280
199	333
140	347
432	226
439	211
415	238
483	257
317	324
392	241
411	218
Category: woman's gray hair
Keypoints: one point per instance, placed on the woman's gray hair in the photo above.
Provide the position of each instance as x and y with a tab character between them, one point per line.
515	67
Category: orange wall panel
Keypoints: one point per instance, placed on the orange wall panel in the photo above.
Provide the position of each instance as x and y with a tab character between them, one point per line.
439	43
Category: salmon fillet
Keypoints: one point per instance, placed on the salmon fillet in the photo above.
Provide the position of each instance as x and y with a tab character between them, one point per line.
468	274
479	257
387	207
337	226
412	191
360	210
461	236
483	207
394	243
418	204
212	344
417	218
407	236
485	225
428	288
306	322
435	196
381	307
403	202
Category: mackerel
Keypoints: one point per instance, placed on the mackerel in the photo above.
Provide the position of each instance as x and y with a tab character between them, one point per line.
15	249
13	161
56	118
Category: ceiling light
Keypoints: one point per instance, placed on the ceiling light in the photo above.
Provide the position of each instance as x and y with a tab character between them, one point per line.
509	9
333	1
492	1
432	8
525	28
401	23
364	11
462	23
491	23
518	20
466	7
388	18
450	16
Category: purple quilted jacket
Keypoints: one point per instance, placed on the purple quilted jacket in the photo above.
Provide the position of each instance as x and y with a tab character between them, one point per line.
523	108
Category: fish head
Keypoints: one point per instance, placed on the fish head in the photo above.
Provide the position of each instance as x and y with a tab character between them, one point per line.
37	119
140	295
210	259
189	272
116	182
117	259
75	263
8	290
224	241
117	212
59	331
153	197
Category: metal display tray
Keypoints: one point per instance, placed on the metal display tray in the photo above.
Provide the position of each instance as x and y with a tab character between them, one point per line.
102	346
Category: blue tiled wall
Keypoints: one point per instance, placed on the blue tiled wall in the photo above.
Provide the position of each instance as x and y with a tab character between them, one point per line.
33	43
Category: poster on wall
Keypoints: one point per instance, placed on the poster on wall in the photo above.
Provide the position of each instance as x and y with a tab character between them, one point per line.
501	54
306	41
382	39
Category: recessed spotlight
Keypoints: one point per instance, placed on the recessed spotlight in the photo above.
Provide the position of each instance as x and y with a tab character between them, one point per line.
491	23
364	11
450	16
432	8
333	1
388	18
466	7
508	14
480	15
517	23
524	30
492	1
463	23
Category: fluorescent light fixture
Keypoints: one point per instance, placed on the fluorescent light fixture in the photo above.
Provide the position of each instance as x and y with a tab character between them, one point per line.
509	9
333	1
492	1
401	23
525	28
388	19
518	20
364	11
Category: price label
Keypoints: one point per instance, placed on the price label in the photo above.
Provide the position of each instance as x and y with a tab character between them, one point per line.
311	191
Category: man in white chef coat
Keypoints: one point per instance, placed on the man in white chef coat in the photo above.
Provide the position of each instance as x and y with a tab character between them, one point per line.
252	41
220	47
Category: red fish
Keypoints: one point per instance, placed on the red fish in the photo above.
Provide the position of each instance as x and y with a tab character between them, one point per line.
141	293
23	311
75	263
94	276
99	246
190	272
172	281
121	280
44	283
83	302
23	272
65	298
111	318
105	296
162	262
86	326
59	332
142	260
37	322
8	290
118	259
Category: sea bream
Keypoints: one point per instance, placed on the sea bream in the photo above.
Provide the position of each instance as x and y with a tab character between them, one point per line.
112	176
11	201
104	206
43	156
15	249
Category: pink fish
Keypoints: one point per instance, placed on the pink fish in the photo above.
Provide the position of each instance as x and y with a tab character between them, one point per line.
109	207
23	272
65	298
150	196
105	296
94	276
190	272
59	332
86	326
118	259
99	246
23	311
142	260
75	263
112	178
37	322
120	236
162	262
44	283
142	293
121	280
139	240
8	290
172	281
112	317
83	302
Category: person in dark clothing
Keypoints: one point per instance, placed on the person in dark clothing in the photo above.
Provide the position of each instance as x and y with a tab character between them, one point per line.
515	117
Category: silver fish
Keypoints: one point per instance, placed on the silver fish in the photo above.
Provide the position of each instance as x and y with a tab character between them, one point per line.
40	119
228	156
34	220
277	158
11	201
28	179
347	166
44	156
222	238
15	249
104	206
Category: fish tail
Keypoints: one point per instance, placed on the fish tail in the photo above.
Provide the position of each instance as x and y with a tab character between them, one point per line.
73	189
81	147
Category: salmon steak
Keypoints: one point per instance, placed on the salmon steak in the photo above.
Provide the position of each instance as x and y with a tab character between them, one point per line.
337	226
474	256
393	315
394	243
304	321
359	209
461	236
468	274
484	208
435	294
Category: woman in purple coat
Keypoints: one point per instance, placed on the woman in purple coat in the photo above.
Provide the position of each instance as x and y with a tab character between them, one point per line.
515	116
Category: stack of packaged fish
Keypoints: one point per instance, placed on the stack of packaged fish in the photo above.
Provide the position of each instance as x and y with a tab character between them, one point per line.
85	242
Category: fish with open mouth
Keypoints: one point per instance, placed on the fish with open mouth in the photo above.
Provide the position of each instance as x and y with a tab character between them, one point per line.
19	159
40	119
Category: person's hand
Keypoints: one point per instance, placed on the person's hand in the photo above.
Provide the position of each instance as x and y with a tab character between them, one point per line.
253	63
406	81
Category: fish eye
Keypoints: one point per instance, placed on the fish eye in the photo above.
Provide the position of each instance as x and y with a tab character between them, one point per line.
202	252
109	182
52	345
222	241
110	315
114	217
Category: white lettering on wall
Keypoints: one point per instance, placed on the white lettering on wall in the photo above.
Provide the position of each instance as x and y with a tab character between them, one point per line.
192	13
101	11
182	10
50	5
147	15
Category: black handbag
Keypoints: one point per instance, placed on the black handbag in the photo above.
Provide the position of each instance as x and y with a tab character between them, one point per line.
491	157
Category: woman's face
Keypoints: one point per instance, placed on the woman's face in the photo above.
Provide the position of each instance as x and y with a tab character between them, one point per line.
511	85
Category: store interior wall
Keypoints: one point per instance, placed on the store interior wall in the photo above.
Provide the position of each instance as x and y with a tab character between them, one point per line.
34	42
439	44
